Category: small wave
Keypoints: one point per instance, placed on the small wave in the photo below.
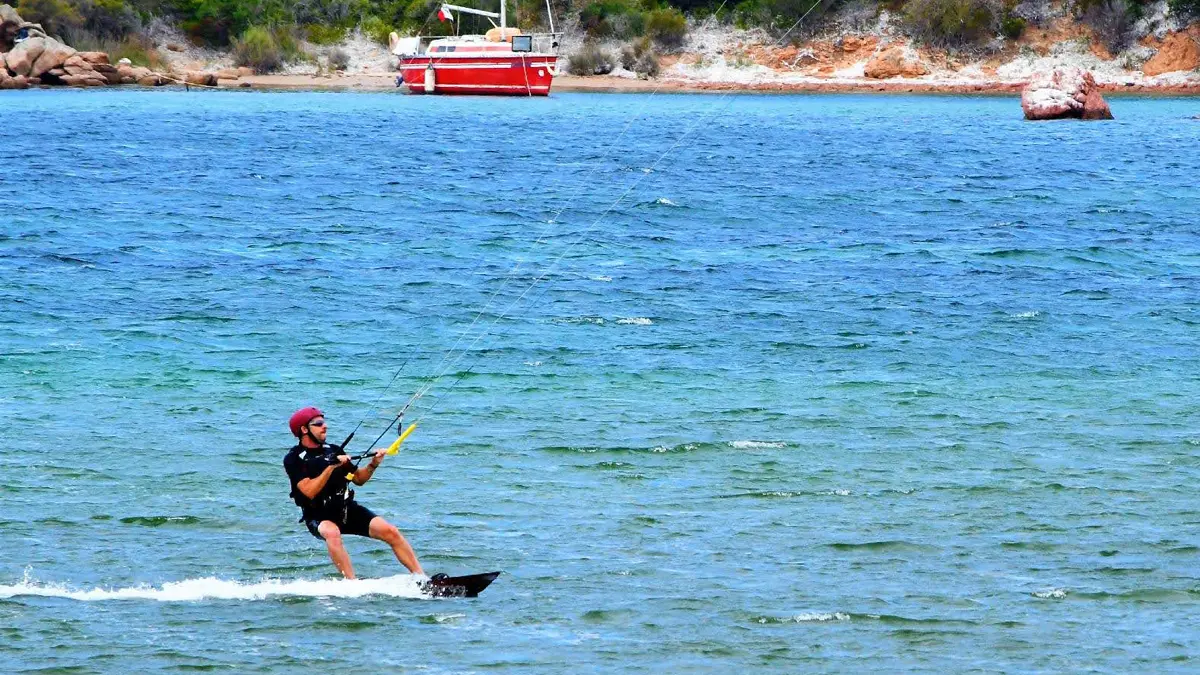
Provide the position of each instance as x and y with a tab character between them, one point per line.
663	201
635	321
887	545
763	494
533	363
157	521
836	493
1032	314
754	445
1009	253
807	617
1051	593
211	588
658	449
601	277
441	618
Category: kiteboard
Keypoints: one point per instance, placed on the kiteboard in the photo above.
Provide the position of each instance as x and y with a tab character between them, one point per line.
467	586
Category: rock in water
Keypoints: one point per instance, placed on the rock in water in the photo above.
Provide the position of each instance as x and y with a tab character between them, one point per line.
1095	107
1064	93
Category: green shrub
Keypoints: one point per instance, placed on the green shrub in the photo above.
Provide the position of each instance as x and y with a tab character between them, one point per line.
781	15
591	60
952	23
667	27
750	13
138	49
612	19
1112	21
1012	26
339	59
324	34
108	18
258	49
640	58
290	43
1185	8
58	17
323	12
376	29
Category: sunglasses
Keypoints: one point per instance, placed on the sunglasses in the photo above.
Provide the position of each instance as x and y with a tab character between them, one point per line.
317	423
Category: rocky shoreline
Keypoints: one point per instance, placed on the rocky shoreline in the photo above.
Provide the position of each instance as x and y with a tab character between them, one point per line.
716	61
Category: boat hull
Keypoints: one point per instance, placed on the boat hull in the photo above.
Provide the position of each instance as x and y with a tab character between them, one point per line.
500	75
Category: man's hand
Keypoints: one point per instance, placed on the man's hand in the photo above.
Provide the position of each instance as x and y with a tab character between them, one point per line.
378	458
340	460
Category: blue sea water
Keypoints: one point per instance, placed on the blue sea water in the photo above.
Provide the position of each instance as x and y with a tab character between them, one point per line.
767	383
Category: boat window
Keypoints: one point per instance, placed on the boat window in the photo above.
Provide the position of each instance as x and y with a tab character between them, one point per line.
522	43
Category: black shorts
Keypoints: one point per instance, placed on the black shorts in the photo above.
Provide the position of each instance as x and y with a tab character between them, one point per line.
358	521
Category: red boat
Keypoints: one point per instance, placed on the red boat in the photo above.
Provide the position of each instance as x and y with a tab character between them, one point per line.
502	62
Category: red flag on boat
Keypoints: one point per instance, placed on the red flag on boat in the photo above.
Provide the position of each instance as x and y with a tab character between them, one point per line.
444	14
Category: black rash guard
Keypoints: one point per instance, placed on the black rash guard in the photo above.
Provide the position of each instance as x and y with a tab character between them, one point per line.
301	463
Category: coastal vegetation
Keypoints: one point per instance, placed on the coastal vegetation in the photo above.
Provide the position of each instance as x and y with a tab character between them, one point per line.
267	34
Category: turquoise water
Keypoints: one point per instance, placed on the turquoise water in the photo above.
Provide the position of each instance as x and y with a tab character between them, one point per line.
840	384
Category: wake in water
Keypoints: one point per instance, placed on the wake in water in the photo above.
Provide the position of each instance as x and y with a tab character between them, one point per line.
211	588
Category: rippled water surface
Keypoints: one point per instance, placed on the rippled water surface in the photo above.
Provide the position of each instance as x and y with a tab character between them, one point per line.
788	384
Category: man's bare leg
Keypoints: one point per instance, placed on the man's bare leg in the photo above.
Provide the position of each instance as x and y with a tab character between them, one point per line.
386	532
337	551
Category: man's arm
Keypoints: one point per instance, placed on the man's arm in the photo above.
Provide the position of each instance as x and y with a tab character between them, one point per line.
364	474
311	487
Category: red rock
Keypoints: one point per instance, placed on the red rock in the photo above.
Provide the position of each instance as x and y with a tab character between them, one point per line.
199	78
1067	92
86	80
1095	107
53	55
13	82
894	62
1178	52
95	58
22	57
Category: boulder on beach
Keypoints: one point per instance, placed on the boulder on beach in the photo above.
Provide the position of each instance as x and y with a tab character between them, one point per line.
198	78
1177	52
94	58
895	62
1064	93
12	81
11	24
41	59
89	79
22	57
54	55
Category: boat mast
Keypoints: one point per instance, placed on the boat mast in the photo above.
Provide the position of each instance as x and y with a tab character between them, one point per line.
502	24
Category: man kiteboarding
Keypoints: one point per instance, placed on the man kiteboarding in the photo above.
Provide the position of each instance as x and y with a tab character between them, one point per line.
320	474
